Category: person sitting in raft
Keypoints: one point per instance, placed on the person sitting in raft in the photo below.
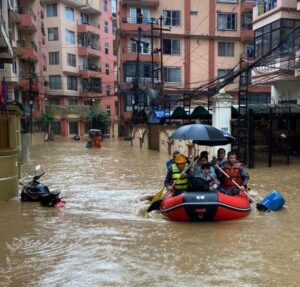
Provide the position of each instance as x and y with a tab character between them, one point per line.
196	168
172	160
237	172
195	175
220	159
176	180
212	181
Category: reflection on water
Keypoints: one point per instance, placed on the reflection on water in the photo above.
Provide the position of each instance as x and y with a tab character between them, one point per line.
103	236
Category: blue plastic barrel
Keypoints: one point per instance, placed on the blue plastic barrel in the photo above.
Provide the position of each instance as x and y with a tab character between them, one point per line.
273	201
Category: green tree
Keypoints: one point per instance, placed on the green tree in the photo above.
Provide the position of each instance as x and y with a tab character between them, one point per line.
45	121
98	119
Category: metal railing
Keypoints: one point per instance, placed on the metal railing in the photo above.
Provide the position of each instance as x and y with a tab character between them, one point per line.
137	20
23	43
90	67
130	50
22	10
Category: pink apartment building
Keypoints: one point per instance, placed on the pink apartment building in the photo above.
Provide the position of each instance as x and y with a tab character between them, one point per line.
207	39
24	74
80	63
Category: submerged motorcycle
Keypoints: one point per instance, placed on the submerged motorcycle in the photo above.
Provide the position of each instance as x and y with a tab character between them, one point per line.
38	192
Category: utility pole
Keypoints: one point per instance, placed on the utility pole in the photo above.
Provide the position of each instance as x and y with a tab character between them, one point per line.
152	56
31	97
161	29
137	73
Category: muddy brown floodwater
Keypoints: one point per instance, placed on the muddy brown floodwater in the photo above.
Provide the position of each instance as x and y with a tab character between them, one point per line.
103	236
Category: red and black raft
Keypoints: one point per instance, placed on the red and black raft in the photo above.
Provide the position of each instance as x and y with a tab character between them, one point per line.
205	206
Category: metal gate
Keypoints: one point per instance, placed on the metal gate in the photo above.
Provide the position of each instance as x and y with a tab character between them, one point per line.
269	137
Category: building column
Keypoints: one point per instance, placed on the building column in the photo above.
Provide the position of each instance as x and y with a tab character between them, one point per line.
221	117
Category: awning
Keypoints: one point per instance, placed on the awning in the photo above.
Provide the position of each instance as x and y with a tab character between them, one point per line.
200	112
179	113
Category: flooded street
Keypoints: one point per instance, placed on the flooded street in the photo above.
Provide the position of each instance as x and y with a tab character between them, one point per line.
103	236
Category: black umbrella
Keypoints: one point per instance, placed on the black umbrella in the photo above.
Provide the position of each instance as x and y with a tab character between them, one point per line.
202	135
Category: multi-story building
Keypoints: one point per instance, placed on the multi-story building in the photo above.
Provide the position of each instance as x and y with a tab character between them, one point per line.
24	74
276	25
6	53
80	62
207	39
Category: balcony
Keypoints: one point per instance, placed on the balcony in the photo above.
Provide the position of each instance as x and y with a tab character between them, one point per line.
6	52
87	71
130	54
84	28
140	3
263	7
27	50
133	23
24	82
89	51
27	19
247	36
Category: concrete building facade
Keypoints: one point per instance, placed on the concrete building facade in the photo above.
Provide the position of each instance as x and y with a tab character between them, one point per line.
80	63
207	39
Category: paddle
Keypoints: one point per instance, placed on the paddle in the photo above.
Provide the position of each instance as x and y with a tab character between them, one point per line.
274	200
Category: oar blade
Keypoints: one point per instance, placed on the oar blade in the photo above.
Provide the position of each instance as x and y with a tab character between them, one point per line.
157	196
154	206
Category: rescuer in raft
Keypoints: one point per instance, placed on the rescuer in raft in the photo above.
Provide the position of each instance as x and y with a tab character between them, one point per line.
176	180
236	172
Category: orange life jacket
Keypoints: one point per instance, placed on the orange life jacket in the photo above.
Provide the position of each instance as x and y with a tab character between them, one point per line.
234	173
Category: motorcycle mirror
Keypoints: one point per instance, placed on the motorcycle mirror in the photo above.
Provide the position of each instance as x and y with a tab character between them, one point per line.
37	168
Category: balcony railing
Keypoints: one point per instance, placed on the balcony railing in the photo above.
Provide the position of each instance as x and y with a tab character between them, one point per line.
266	6
137	20
28	11
130	50
23	43
90	67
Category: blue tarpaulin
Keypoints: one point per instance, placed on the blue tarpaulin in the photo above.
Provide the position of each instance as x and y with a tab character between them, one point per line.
156	115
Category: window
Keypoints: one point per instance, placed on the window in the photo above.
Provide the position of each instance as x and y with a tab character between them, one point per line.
72	83
222	73
106	48
84	18
171	46
53	101
226	49
144	46
71	60
105	5
107	69
69	13
269	36
108	90
1	66
14	66
70	37
145	73
246	20
52	34
194	13
172	74
53	58
73	102
108	111
105	26
171	18
51	10
227	21
139	16
55	82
